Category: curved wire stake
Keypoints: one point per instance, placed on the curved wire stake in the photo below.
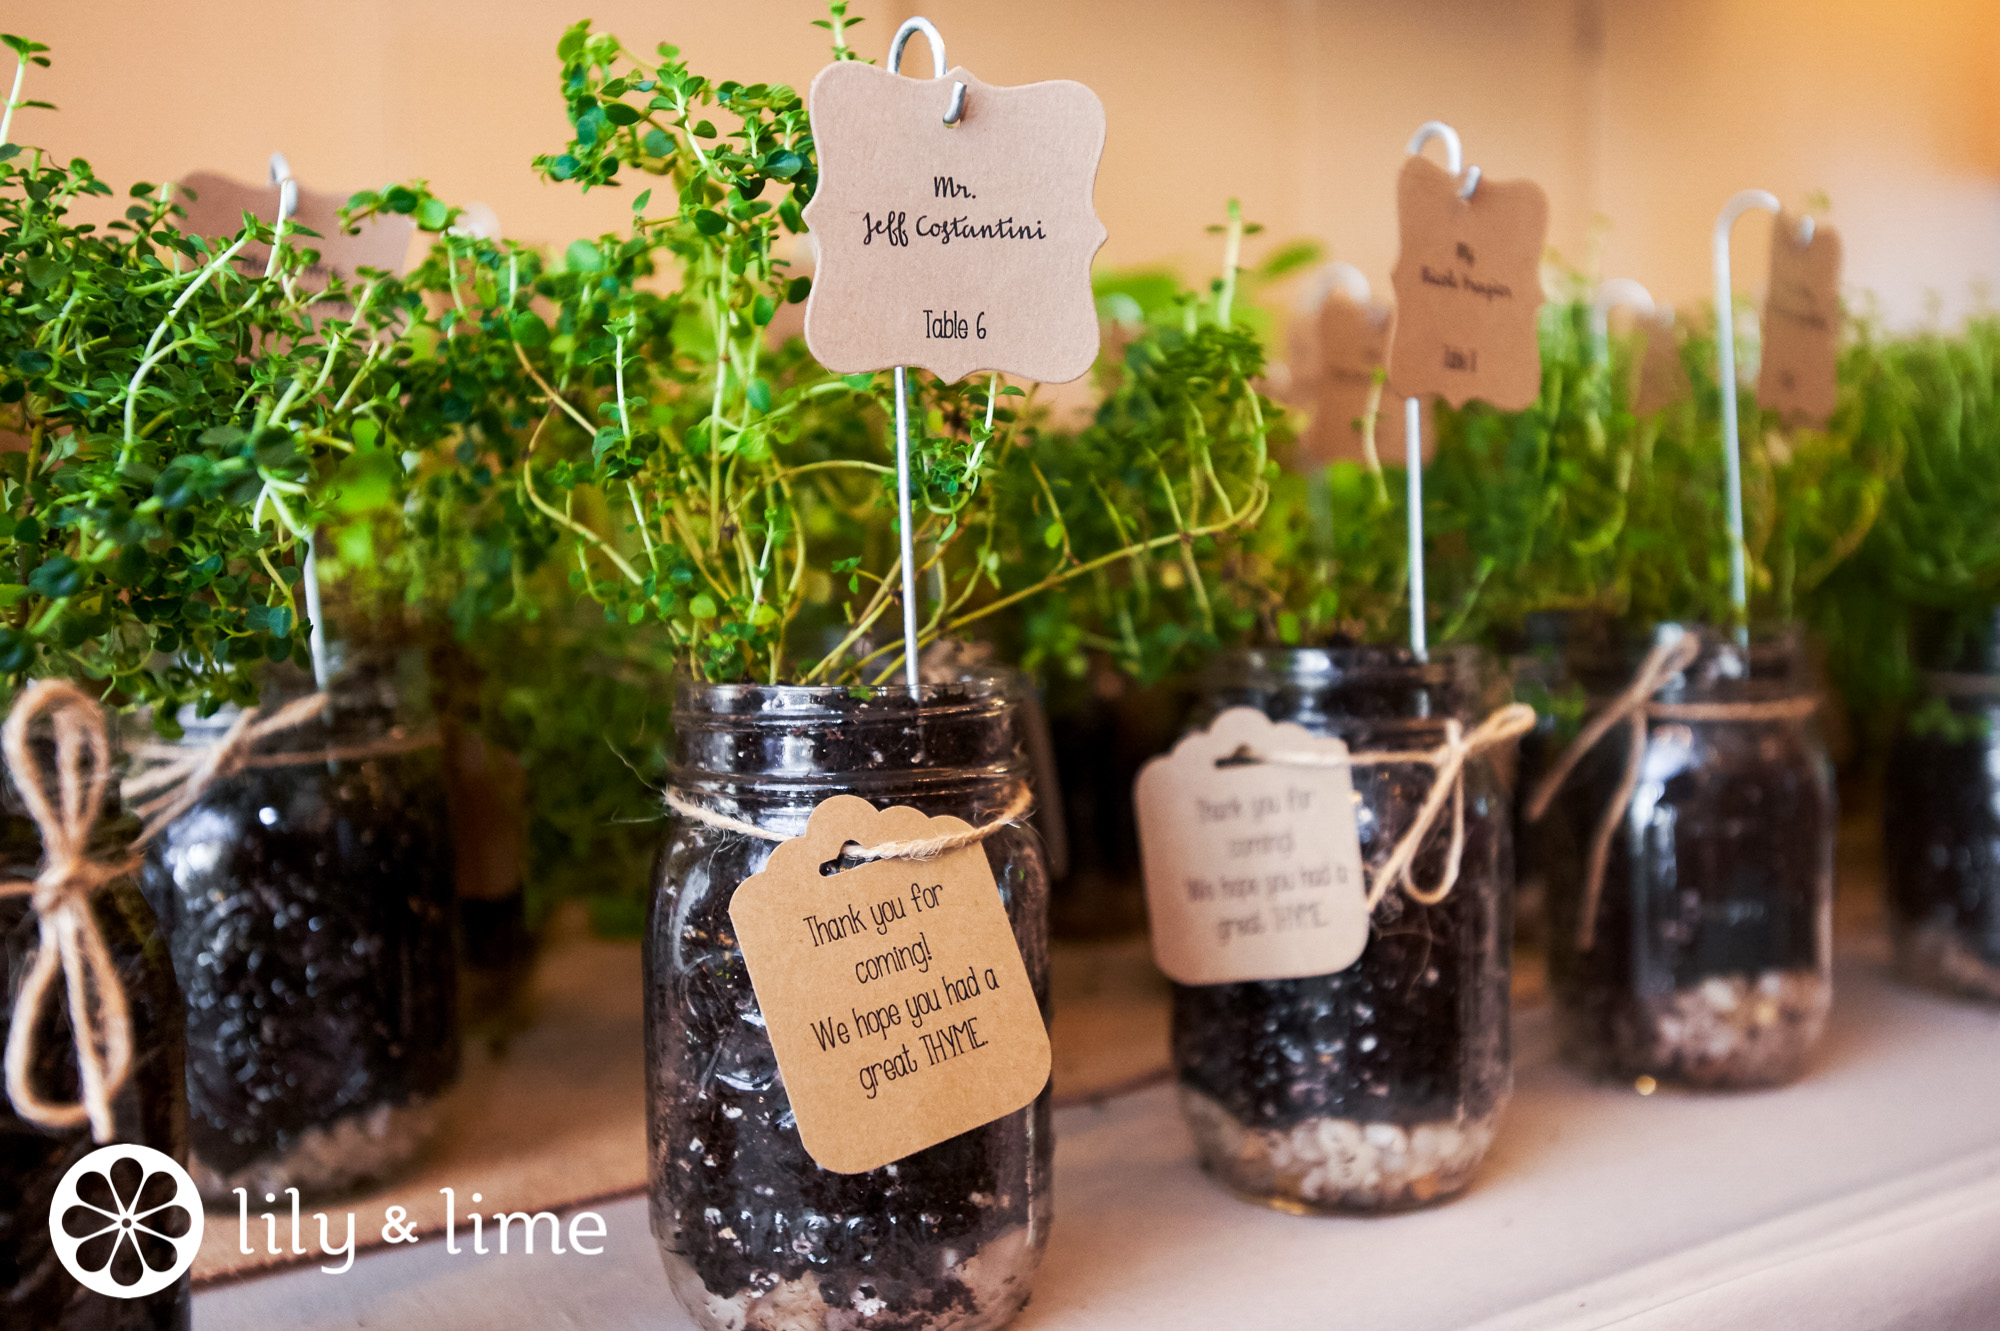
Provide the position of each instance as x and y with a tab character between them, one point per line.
954	112
904	519
1454	153
1725	366
1612	294
1338	276
288	204
1413	439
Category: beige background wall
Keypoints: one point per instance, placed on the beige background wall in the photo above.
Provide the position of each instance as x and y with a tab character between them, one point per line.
1639	116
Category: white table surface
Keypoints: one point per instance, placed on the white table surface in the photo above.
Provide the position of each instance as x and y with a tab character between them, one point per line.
1866	1196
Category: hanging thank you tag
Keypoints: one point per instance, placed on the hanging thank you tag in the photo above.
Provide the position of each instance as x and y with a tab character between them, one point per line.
1801	325
1335	354
1468	286
1253	868
956	248
1659	379
894	992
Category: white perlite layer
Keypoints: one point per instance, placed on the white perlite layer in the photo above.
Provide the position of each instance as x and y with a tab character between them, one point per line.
997	1276
1338	1163
1738	1030
336	1156
1939	959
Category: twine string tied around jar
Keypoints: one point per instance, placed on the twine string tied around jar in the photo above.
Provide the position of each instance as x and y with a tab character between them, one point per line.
917	848
1447	763
1634	709
180	776
70	943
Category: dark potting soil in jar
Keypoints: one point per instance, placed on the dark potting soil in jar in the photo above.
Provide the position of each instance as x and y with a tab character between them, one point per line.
36	1293
1710	961
1378	1087
753	1233
1941	817
309	908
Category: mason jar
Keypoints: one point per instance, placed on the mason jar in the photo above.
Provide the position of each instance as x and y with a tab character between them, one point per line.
1707	960
150	1110
309	910
1378	1087
1941	816
753	1233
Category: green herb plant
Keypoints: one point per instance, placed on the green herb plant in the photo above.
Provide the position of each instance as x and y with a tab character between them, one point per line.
626	409
177	420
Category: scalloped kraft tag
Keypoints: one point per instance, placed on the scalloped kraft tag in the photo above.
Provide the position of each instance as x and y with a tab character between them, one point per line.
894	992
1253	869
1797	374
955	249
1659	379
1336	352
1468	285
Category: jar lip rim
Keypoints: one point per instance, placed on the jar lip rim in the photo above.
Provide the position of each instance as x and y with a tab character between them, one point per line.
1360	659
985	684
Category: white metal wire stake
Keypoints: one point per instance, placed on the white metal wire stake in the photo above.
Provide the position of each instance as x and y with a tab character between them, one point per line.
1725	367
952	115
1413	439
905	524
288	203
1413	465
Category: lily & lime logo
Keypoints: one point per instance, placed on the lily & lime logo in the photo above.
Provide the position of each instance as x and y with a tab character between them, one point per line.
126	1221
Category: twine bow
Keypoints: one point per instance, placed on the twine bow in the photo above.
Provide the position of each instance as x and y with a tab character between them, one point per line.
1447	763
920	848
1634	709
70	943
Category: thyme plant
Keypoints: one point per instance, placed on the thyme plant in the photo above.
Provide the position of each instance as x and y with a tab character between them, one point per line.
178	421
1926	578
626	410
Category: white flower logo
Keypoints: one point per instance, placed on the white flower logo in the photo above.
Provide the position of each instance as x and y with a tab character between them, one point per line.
126	1221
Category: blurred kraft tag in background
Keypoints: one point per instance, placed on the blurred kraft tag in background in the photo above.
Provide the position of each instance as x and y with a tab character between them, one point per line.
1795	377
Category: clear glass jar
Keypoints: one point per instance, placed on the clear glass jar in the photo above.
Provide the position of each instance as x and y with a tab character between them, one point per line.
1710	960
1941	817
309	909
1379	1087
753	1233
151	1110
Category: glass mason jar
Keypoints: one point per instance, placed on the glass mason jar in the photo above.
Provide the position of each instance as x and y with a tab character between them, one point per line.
151	1109
1941	817
753	1233
1709	961
1379	1087
309	911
